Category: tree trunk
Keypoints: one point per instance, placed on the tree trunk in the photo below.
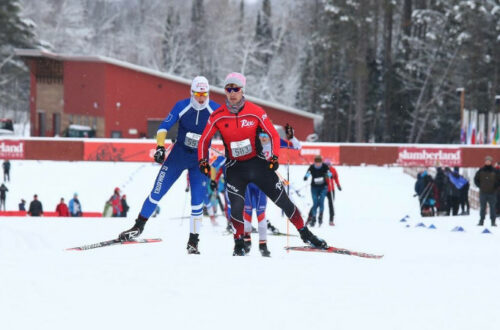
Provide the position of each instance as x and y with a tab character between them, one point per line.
387	69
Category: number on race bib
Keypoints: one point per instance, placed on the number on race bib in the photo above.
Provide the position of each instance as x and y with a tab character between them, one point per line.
241	148
191	140
319	180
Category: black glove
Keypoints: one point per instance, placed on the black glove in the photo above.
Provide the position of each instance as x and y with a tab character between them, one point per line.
204	167
213	185
289	131
305	178
340	188
272	163
159	154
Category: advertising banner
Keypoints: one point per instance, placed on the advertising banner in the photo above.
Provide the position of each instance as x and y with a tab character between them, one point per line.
119	151
12	149
416	156
144	151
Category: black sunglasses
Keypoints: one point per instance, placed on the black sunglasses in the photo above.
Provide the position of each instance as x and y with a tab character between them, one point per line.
233	89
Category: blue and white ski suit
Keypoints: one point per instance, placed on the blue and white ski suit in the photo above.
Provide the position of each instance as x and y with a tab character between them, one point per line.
183	156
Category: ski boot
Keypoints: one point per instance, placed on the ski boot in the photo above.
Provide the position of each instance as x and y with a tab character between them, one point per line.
239	247
481	222
320	220
192	245
331	222
273	229
247	239
311	239
135	231
263	249
493	223
311	221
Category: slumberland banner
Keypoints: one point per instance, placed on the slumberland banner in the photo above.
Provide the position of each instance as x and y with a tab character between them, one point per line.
416	156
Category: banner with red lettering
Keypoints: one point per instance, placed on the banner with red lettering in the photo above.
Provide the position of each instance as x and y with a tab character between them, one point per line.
12	149
119	151
416	156
144	151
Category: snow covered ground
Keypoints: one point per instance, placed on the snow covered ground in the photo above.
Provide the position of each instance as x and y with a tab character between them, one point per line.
428	278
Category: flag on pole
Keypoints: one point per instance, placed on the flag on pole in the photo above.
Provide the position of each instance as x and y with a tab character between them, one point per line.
496	139
493	130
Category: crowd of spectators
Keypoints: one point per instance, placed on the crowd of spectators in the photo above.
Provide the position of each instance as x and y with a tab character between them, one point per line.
445	194
448	192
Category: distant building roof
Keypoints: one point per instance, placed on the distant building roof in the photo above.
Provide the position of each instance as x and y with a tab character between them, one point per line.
138	68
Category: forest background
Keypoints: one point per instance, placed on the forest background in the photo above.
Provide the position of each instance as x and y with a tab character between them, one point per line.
377	70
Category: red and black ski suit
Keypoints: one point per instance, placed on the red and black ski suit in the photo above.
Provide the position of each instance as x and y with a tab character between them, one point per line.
245	162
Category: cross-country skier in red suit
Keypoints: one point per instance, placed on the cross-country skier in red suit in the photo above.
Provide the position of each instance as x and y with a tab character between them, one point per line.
239	123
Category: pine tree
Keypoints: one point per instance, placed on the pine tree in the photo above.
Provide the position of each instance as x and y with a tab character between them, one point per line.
14	80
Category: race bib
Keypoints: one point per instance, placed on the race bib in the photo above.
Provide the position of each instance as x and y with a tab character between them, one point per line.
191	140
241	148
319	180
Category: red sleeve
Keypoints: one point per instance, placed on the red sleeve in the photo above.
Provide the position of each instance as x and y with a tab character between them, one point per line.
335	176
268	127
206	137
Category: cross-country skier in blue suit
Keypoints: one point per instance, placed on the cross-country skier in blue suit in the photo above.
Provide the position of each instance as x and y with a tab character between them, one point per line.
192	115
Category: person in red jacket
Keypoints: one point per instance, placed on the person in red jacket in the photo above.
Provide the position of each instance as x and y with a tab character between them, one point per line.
62	209
239	123
116	203
331	190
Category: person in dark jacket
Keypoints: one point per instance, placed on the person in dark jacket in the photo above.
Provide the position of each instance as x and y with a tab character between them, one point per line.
320	173
22	205
487	179
125	206
6	170
441	198
426	192
456	183
36	208
3	195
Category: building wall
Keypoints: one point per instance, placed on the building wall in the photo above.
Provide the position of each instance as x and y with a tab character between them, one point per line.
111	98
84	95
49	101
133	97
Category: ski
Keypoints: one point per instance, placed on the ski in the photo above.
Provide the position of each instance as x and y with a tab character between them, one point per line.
283	234
332	249
115	241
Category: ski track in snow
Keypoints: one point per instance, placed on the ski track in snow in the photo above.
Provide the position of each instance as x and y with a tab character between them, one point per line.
428	279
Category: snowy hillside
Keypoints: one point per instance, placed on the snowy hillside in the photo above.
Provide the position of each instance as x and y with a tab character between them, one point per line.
428	278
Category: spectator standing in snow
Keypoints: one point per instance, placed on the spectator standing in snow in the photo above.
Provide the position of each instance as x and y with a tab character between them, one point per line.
464	198
441	195
497	167
425	190
62	209
22	205
3	195
36	209
116	203
487	179
6	170
456	184
75	207
125	206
